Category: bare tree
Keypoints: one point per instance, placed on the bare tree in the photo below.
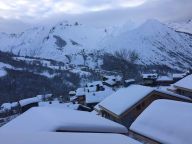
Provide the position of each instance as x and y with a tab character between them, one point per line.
84	55
126	62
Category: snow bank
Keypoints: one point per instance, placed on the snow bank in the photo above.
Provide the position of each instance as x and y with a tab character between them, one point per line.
166	121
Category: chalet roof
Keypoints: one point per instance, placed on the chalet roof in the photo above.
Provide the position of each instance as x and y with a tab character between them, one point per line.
80	91
164	78
56	104
8	106
166	121
130	80
96	97
36	99
65	138
95	83
72	92
125	98
27	101
45	119
179	75
185	83
150	75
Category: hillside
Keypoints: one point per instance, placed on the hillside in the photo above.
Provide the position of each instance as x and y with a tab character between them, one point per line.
156	43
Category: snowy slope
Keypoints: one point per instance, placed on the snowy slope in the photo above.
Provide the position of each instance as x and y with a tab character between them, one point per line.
184	26
156	43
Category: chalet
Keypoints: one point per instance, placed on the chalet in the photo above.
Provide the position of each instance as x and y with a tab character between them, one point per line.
28	103
183	86
178	76
129	82
125	105
95	86
164	122
149	79
93	98
72	93
112	81
80	95
164	81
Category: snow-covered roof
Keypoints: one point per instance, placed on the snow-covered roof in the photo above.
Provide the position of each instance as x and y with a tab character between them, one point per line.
96	97
73	98
110	82
166	121
65	138
91	89
152	75
72	93
56	104
8	106
36	99
125	98
45	119
179	75
130	80
80	91
164	78
185	83
27	101
95	83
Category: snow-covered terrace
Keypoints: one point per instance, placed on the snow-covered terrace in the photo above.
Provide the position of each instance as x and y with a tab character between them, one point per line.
166	121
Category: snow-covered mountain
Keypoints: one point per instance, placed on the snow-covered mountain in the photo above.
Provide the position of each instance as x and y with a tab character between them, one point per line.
155	42
184	26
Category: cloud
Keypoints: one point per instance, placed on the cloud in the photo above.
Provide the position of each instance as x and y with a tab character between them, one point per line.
30	12
27	9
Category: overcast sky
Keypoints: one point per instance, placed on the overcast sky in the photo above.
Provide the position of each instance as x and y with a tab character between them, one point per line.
17	15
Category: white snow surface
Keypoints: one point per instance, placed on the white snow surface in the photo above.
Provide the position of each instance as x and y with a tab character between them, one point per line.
44	119
125	98
64	138
186	82
166	121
